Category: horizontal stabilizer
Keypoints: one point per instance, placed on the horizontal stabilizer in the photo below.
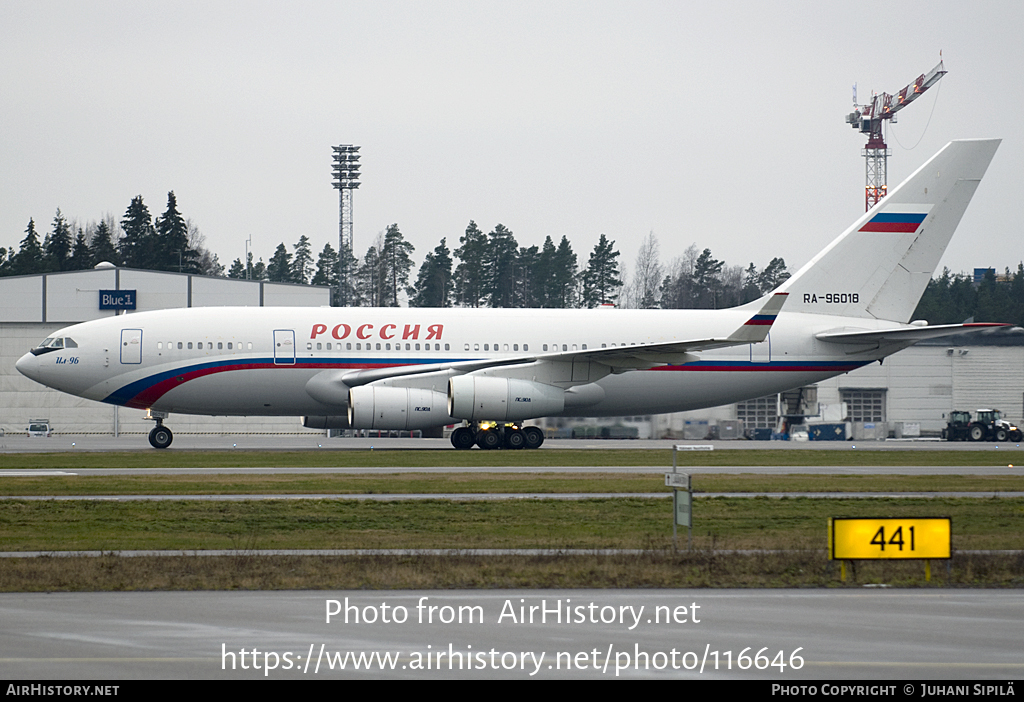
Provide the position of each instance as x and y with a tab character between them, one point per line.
904	334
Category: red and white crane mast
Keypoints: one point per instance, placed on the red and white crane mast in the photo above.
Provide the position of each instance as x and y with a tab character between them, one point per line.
869	120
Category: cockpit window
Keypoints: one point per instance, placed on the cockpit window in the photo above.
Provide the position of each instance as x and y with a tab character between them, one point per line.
54	343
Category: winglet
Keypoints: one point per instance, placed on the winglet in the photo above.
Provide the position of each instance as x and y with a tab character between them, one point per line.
755	329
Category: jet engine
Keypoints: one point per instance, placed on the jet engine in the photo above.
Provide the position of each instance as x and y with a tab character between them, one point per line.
386	407
479	397
331	422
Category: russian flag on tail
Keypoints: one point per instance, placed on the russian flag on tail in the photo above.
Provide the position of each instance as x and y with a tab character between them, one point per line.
897	219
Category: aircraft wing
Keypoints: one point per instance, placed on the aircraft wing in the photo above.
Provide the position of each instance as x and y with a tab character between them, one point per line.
753	331
904	334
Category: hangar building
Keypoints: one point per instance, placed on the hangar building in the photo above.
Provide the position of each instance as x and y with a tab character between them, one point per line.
34	306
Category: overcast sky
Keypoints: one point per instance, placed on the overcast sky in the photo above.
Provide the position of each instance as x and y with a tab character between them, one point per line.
719	124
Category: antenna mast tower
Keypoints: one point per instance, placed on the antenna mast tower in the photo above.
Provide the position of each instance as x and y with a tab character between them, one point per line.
869	120
346	179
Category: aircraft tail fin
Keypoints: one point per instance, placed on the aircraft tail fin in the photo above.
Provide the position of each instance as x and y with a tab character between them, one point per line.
880	266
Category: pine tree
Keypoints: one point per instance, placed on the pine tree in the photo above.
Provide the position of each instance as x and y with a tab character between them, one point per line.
705	280
237	270
327	271
469	274
434	283
29	258
773	275
601	279
279	269
302	261
138	247
396	263
526	286
58	244
562	293
101	245
347	294
81	259
370	277
172	251
499	262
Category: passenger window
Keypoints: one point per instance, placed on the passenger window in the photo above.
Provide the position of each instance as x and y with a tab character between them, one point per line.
378	346
476	347
417	347
250	346
179	346
229	346
545	347
387	347
485	347
526	347
506	347
220	344
348	346
159	345
565	347
467	347
447	347
190	344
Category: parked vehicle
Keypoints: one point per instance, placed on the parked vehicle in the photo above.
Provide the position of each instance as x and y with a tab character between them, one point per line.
989	425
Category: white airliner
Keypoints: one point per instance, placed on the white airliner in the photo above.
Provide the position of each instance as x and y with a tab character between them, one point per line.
492	369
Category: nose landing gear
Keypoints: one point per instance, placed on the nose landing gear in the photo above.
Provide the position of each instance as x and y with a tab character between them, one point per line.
160	437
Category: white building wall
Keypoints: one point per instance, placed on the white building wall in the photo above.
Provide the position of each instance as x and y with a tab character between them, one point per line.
21	299
223	292
73	297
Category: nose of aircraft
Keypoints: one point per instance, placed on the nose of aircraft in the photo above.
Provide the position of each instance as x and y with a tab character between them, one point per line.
28	366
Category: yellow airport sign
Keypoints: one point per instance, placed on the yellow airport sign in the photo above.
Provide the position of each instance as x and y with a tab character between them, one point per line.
901	538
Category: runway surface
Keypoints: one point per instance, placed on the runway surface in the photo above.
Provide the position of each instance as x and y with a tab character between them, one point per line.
304	442
774	635
839	635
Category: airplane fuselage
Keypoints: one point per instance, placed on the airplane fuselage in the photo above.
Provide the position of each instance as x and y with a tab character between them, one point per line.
257	361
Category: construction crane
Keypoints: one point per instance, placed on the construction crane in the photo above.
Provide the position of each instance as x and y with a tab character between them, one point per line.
869	120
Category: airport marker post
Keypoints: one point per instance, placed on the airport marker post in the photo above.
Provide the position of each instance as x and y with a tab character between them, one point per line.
682	499
911	538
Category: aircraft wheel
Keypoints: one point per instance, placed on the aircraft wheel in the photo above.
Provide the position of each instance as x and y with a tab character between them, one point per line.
488	439
160	437
534	437
462	438
515	439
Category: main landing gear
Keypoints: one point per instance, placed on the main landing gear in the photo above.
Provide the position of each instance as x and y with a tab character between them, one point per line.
160	437
493	435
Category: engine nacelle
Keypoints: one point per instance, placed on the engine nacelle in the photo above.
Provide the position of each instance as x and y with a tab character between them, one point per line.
385	407
481	397
330	422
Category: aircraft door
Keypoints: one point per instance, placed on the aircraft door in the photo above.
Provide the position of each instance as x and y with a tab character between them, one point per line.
131	346
284	347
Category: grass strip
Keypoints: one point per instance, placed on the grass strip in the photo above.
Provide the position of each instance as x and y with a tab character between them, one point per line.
400	458
703	569
720	523
434	483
